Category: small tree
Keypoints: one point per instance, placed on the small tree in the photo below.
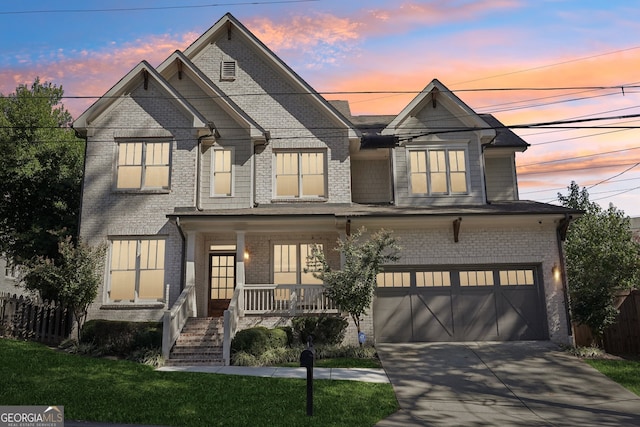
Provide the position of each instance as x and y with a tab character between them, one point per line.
602	259
352	287
73	278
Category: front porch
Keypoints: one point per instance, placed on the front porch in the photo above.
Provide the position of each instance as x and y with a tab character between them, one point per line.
248	299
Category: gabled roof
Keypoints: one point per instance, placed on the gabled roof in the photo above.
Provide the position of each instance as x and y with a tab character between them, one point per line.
505	137
220	98
125	86
227	25
436	91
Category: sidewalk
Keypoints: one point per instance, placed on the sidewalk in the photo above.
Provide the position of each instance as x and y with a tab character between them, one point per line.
349	374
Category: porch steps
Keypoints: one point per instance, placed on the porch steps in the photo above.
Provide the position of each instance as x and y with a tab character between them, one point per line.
200	343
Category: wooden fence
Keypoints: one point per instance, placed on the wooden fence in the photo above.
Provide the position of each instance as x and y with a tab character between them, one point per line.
32	319
623	337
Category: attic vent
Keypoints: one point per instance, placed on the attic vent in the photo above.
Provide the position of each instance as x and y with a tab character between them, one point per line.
228	70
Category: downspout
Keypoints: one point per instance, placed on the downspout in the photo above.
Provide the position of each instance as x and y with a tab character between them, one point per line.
561	233
484	170
183	273
198	163
84	174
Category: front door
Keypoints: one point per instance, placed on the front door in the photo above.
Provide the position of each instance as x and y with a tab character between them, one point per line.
222	282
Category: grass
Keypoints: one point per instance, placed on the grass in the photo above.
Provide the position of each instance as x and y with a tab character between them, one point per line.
120	391
624	372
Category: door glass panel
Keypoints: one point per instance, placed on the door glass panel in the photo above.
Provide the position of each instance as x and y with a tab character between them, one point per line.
222	276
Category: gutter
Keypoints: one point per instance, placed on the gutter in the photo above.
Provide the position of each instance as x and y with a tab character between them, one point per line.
561	233
198	162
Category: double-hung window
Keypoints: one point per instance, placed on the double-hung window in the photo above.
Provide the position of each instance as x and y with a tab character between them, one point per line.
137	270
221	172
300	174
438	171
143	165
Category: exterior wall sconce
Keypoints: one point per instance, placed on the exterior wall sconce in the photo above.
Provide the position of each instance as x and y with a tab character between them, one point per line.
556	272
246	255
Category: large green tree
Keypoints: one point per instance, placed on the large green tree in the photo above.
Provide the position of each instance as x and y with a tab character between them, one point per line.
40	172
602	259
352	287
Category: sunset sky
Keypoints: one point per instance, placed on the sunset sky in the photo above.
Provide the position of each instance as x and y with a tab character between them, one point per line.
578	59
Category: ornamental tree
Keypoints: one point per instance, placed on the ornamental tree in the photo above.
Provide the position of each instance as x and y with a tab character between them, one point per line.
73	277
353	286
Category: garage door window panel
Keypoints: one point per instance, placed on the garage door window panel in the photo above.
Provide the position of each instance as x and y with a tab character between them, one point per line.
517	278
476	278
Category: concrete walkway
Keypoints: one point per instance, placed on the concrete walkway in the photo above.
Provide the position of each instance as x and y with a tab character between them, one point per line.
501	384
349	374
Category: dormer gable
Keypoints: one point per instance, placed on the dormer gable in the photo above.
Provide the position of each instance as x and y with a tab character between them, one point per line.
433	95
180	64
141	73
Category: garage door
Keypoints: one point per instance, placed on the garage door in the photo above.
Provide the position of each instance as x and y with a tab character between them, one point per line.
475	304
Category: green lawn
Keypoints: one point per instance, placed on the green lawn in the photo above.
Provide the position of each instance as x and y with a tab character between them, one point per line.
126	392
624	372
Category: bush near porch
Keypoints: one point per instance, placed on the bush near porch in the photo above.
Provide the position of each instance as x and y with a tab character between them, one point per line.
260	346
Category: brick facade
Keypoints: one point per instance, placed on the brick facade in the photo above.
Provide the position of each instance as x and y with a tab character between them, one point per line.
293	117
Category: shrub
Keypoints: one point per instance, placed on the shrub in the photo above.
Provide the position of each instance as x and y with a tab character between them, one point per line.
120	338
258	340
148	356
323	329
253	341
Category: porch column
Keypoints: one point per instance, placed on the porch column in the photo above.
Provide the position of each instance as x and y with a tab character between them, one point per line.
190	268
240	249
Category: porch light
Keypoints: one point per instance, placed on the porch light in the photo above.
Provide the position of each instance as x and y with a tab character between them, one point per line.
246	255
556	272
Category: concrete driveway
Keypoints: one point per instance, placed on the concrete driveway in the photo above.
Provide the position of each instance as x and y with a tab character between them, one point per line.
501	384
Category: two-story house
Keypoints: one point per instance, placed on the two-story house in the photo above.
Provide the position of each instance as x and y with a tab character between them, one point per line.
211	175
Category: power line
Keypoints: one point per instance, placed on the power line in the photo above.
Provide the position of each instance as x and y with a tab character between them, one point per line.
549	65
137	9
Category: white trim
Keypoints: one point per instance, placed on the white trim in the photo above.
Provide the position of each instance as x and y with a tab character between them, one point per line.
457	146
218	148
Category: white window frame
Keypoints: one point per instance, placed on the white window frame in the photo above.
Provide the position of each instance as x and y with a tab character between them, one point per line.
143	165
217	150
300	175
137	268
301	260
427	150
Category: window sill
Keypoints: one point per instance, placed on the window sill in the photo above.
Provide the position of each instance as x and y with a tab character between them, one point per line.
132	191
132	306
299	200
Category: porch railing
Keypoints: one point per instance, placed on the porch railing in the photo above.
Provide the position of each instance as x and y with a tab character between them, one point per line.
175	318
231	320
287	300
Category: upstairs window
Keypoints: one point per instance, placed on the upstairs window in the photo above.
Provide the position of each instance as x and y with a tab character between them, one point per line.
143	165
221	172
438	172
300	174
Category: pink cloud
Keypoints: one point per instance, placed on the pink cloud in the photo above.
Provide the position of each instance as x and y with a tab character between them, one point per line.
92	73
